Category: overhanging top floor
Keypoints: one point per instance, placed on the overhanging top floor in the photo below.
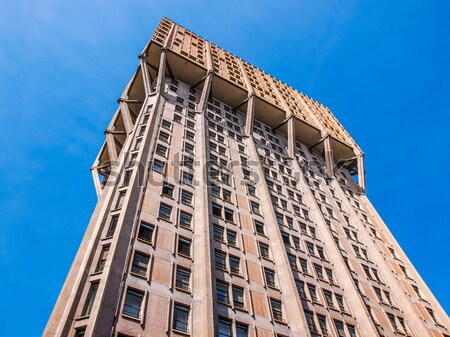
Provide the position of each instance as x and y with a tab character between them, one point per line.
234	80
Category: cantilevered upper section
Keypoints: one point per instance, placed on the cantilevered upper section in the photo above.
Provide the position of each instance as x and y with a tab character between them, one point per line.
190	57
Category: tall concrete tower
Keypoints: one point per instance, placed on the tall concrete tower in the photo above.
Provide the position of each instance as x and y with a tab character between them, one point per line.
227	207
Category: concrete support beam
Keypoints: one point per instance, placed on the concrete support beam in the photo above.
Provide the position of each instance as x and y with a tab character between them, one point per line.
251	102
250	116
97	183
161	70
125	112
202	301
289	114
291	137
111	144
205	93
145	75
328	154
361	172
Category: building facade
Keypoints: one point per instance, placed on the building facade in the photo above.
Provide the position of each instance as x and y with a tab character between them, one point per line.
228	207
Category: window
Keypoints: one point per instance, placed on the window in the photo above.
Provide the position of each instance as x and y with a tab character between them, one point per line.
133	303
90	300
304	265
393	322
140	264
290	222
120	199
231	238
306	214
292	261
431	312
132	160
300	285
264	250
255	207
251	190
328	298
312	292
187	178
184	247
161	150
190	135
190	124
165	211
277	311
222	292
238	297
280	218
127	177
226	195
188	148
167	189
330	276
339	328
164	136
188	162
182	279
319	271
218	232
217	210
310	247
146	232
379	294
166	124
235	265
402	323
323	325
112	226
220	260
321	253
304	229
229	215
177	118
270	277
159	166
185	219
215	191
180	318
80	332
388	297
138	143
241	330
259	227
356	250
286	239
351	330
186	197
102	259
310	321
146	118
224	328
340	301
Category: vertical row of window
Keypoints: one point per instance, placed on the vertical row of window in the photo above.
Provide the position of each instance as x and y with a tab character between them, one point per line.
111	228
359	250
288	208
223	128
171	197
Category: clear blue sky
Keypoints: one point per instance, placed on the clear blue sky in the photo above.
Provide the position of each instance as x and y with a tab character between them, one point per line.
381	66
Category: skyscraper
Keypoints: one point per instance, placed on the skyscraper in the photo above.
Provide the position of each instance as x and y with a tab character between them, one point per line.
228	207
